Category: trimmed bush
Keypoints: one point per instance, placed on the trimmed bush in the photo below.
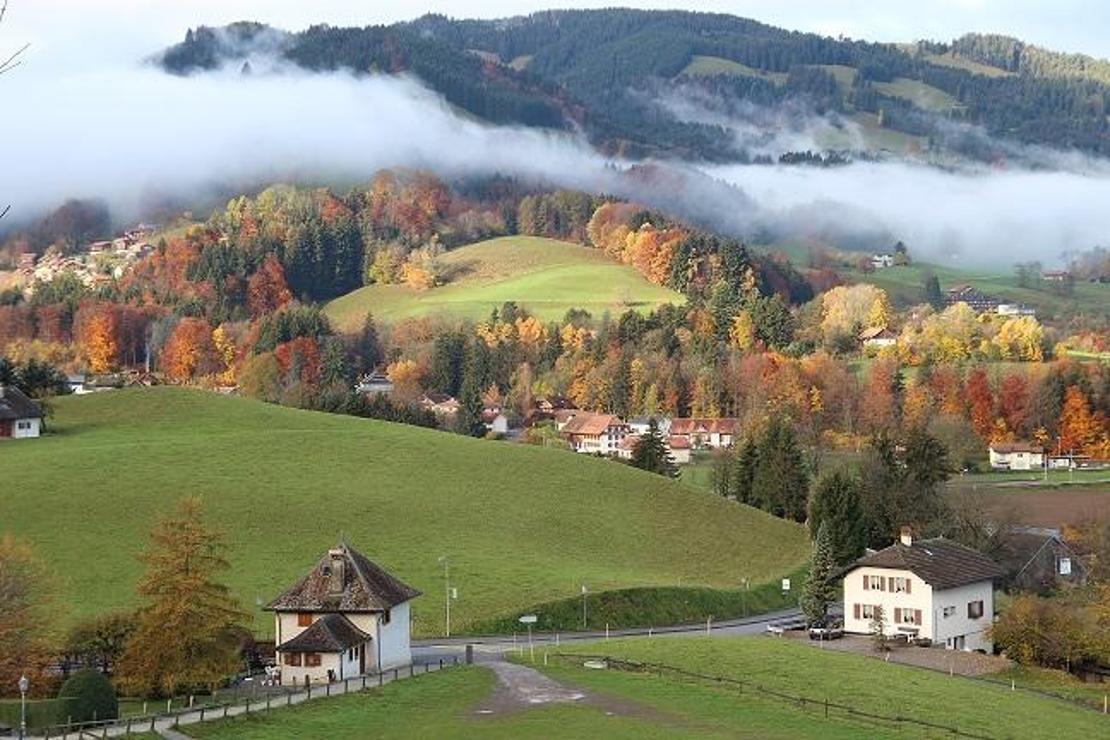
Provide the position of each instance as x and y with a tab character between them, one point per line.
89	695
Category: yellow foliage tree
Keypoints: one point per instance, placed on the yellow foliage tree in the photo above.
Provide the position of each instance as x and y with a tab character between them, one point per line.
1020	338
742	332
405	376
225	350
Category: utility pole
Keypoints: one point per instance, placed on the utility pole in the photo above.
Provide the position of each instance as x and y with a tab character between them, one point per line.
583	606
446	592
24	685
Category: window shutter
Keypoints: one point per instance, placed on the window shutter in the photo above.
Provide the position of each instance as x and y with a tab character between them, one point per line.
908	582
866	584
917	616
897	615
855	611
890	583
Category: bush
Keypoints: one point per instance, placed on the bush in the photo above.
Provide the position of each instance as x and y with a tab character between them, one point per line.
89	695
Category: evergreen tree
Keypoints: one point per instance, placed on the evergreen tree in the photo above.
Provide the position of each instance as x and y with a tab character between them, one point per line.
475	380
835	506
368	347
743	471
933	295
448	358
187	628
820	588
650	453
780	484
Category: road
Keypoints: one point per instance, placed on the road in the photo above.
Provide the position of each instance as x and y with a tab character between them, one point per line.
488	647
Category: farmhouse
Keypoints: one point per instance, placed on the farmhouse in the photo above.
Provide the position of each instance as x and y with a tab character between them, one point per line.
935	590
592	433
1039	560
680	449
346	617
978	300
20	417
714	433
1016	456
440	404
879	261
641	424
374	383
495	420
878	337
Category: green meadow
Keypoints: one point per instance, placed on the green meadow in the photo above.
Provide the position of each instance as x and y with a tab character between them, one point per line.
545	276
522	525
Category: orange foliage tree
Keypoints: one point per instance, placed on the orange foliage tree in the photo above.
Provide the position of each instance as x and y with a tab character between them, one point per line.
97	330
190	351
267	290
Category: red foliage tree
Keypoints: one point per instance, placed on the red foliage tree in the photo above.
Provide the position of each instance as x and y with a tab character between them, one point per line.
266	288
190	353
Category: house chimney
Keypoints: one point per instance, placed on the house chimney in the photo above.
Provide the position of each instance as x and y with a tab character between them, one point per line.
337	559
907	536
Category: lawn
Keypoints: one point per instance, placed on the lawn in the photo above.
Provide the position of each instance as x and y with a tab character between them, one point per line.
922	95
444	705
865	683
546	276
522	525
958	62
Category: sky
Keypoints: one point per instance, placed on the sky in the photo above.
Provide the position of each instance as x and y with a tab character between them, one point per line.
1064	25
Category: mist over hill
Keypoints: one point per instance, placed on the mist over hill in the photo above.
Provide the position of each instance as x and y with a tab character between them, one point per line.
585	99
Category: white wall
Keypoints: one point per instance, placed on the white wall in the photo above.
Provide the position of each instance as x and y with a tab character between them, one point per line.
933	625
293	675
33	428
395	644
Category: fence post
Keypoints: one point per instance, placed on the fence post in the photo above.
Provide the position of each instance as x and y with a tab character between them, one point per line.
826	707
441	664
288	701
248	710
144	706
327	689
394	674
412	670
364	682
381	679
268	697
346	686
152	724
606	632
201	712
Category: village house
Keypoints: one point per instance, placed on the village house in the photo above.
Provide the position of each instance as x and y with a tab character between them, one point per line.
495	420
1055	276
713	433
346	617
979	301
1014	309
371	384
878	337
934	590
641	424
20	417
680	449
563	416
879	261
1016	456
594	434
1039	560
440	404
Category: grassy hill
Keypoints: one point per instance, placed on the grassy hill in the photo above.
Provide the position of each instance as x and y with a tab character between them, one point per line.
522	525
546	276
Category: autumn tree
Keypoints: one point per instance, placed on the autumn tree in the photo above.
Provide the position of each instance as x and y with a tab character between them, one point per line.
97	333
26	614
266	288
980	402
1078	426
190	351
187	630
98	642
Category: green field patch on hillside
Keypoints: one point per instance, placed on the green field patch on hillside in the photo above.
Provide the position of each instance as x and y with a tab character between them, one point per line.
922	95
968	65
545	276
521	525
706	66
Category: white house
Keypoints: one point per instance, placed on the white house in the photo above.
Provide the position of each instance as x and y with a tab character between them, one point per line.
641	424
934	589
346	617
374	383
20	417
878	337
879	261
495	421
592	433
714	433
1016	456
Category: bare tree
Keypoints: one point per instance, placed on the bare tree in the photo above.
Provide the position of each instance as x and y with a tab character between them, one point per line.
7	65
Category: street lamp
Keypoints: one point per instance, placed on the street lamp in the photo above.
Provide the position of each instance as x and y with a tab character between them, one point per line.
24	684
446	591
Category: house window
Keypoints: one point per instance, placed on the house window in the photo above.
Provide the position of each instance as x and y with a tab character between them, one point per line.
292	659
304	619
901	585
867	611
386	616
312	660
24	425
974	609
876	583
948	611
907	616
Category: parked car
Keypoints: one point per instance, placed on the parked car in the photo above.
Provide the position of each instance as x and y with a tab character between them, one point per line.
826	630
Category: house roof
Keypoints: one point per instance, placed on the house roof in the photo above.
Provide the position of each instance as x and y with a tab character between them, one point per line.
939	562
1004	448
435	399
331	633
590	423
704	426
15	405
678	443
875	332
564	415
629	442
367	587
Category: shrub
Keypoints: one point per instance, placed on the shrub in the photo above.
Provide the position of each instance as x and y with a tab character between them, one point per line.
89	695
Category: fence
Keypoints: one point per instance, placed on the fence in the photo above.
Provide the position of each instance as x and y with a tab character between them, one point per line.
803	703
206	712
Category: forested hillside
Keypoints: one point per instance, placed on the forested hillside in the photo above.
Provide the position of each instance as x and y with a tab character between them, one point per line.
607	70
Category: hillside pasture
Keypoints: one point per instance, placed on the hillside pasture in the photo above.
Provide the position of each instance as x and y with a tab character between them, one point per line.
521	525
922	95
708	66
545	276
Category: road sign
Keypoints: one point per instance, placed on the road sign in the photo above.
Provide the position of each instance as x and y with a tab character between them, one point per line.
785	584
528	619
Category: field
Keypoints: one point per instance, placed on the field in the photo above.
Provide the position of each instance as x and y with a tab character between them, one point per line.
546	276
958	62
920	94
905	286
620	704
522	525
865	683
703	66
